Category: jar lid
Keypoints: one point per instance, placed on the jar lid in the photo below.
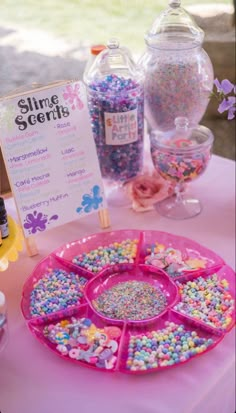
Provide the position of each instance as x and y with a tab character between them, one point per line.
174	28
113	60
183	137
97	48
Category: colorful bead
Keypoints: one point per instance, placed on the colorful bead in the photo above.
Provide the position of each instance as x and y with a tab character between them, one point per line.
132	300
171	345
207	300
117	95
116	253
56	290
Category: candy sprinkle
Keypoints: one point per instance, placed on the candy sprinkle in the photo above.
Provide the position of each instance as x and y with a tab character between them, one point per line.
80	339
179	166
173	260
172	90
132	300
56	290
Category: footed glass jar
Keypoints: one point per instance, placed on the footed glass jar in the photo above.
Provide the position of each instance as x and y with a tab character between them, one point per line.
116	104
178	72
180	156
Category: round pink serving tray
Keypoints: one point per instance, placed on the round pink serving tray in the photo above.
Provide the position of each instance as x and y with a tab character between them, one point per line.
79	332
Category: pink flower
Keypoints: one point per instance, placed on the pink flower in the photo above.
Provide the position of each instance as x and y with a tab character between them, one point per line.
147	189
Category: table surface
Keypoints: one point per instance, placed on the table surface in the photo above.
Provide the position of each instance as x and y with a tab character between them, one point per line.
34	380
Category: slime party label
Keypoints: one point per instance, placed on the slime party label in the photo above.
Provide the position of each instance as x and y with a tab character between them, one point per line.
121	127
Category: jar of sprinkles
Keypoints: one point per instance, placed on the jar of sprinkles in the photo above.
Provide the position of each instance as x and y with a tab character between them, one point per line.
116	105
178	72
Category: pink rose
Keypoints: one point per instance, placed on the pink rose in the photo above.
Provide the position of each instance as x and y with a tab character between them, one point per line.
147	189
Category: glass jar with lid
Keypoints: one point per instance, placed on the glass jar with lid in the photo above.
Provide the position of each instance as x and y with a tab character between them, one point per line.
180	156
178	72
115	93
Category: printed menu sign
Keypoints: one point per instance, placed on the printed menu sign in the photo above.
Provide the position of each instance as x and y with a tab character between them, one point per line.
50	156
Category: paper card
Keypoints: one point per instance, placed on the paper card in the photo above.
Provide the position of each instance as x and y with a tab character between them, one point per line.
50	156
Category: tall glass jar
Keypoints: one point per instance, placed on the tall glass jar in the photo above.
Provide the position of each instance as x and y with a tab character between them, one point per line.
116	103
178	72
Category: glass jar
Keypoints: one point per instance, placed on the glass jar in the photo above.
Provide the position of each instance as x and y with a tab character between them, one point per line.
114	86
3	322
180	156
178	72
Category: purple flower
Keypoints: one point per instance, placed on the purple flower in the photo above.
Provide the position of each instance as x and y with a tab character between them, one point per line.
228	104
225	87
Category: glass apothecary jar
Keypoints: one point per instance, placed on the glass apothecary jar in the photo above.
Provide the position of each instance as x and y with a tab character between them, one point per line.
178	72
115	93
181	156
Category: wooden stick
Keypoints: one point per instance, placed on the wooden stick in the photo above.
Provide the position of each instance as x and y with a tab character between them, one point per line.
104	218
31	246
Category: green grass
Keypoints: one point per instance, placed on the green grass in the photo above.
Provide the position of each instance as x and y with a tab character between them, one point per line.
88	21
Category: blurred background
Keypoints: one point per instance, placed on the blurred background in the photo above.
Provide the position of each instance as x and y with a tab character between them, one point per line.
48	40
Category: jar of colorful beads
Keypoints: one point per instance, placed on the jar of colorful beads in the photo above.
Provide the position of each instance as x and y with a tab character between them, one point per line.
178	72
3	322
116	104
180	156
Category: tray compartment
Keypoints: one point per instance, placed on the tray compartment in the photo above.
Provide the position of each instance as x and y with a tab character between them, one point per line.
150	347
95	343
192	257
212	305
48	266
127	273
87	245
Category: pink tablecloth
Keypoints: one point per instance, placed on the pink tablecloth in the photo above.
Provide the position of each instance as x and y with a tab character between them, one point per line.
34	380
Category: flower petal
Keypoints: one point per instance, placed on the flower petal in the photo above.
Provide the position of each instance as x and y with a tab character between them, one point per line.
218	85
223	106
226	86
231	113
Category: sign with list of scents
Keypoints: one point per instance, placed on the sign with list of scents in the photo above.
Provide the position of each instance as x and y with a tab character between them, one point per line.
50	156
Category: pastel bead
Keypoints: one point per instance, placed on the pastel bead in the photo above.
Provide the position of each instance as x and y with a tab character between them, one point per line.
161	357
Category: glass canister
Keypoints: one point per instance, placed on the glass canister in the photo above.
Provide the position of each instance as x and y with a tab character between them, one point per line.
181	156
116	103
178	72
3	321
